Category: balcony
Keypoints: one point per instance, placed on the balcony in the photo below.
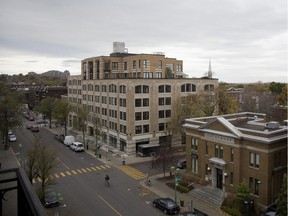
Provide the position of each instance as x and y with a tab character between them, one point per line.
18	195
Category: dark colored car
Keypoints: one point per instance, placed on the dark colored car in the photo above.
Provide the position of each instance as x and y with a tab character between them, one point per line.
182	163
34	128
167	205
50	198
28	126
59	137
193	213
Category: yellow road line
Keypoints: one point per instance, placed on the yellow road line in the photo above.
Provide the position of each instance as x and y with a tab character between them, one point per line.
89	169
98	168
84	170
56	175
109	205
74	171
107	166
93	168
68	172
62	174
103	167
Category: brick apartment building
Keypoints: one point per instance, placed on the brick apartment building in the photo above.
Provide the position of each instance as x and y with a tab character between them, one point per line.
133	94
224	151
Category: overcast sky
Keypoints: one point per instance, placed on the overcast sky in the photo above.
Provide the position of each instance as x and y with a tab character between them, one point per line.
246	40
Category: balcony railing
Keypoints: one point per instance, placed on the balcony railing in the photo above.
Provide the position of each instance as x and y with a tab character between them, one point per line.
17	194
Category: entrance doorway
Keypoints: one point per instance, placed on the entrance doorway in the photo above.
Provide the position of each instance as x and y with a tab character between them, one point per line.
219	178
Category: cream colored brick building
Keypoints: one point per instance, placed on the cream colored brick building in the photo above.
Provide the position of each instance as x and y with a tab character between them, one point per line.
132	95
224	151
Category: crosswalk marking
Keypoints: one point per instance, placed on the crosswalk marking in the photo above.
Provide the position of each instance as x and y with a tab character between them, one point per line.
74	172
132	172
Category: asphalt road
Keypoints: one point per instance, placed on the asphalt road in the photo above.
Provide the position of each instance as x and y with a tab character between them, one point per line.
79	178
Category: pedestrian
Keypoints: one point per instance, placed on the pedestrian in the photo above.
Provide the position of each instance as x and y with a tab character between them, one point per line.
123	161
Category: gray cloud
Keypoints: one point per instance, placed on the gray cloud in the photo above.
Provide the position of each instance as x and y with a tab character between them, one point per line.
241	36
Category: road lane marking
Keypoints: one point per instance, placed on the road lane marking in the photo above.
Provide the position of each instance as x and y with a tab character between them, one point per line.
78	170
56	175
103	167
84	170
98	168
62	174
93	169
63	163
89	169
68	172
109	205
132	172
33	181
39	179
74	172
107	166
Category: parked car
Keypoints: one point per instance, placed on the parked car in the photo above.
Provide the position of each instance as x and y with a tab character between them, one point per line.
182	163
59	137
68	140
192	213
50	198
35	128
42	122
167	205
31	118
10	132
77	146
12	138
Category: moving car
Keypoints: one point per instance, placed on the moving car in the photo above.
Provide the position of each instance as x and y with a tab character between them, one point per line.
12	138
50	198
167	205
34	128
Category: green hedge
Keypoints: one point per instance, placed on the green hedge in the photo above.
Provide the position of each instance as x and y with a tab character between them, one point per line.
231	211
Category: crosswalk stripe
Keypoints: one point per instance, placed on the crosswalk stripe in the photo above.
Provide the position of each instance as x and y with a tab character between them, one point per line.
51	177
33	181
62	174
57	176
39	179
103	167
132	172
84	170
78	170
68	172
74	171
98	168
89	169
93	169
107	166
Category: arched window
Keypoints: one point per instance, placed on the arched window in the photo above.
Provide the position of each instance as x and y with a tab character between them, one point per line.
209	87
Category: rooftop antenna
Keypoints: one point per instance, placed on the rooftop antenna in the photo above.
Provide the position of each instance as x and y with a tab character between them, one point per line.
210	70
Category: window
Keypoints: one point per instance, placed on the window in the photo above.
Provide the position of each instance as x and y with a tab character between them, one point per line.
254	160
123	115
188	87
139	63
96	88
145	128
206	148
209	87
194	144
134	64
138	103
104	88
221	152
125	65
161	102
122	102
138	89
167	101
146	115
167	88
216	150
194	167
168	113
161	89
145	63
138	129
254	186
138	116
145	89
145	102
161	114
158	75
103	99
164	88
114	65
123	89
231	155
231	177
159	64
161	126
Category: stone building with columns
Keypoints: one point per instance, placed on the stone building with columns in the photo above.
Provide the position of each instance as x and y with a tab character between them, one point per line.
224	151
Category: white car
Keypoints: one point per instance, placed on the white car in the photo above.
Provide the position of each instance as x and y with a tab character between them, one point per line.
12	138
77	146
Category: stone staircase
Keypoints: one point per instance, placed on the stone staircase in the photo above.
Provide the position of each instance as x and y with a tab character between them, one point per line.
212	196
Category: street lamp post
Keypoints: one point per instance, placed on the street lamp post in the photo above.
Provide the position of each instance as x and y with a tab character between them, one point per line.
175	171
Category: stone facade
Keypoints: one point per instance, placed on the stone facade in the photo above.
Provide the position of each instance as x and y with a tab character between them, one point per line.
224	151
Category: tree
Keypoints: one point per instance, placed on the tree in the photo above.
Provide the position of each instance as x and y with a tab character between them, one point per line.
41	161
164	158
97	130
227	104
281	200
61	110
46	107
283	96
10	109
82	115
276	87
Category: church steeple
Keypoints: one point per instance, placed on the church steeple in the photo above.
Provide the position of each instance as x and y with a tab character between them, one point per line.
210	70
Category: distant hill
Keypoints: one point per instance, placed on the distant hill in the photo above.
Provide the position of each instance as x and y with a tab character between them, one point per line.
56	74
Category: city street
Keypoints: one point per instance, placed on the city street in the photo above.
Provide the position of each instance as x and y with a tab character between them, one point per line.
79	178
